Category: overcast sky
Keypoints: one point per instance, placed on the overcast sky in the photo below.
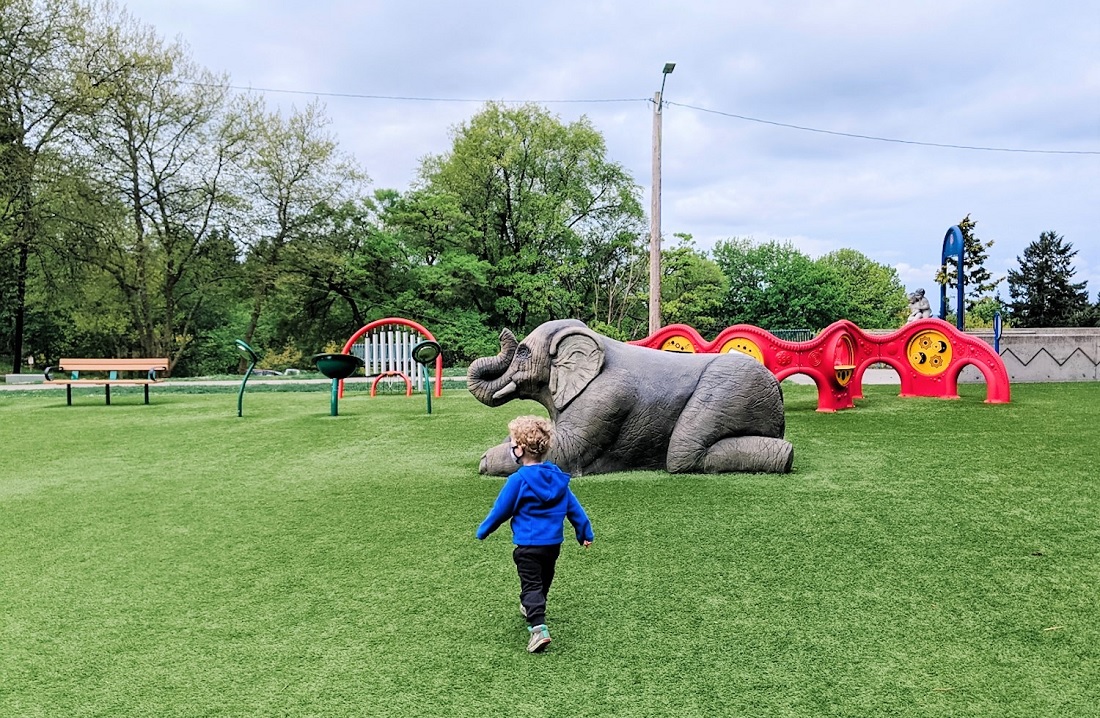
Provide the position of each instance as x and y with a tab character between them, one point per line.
1010	74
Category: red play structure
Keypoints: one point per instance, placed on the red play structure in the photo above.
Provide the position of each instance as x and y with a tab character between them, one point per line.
386	346
927	354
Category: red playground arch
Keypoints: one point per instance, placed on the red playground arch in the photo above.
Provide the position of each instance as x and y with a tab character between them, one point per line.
388	345
927	354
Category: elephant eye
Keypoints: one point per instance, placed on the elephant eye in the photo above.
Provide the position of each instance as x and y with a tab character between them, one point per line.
523	353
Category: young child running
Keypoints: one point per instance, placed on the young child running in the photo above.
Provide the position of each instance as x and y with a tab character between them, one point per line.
538	500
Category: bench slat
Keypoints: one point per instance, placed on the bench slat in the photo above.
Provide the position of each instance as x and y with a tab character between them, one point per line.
112	365
99	382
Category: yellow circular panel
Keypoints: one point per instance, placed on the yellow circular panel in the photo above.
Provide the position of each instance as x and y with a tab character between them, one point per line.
678	344
929	352
745	346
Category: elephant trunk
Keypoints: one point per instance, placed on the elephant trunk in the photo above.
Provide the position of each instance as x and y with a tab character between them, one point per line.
486	376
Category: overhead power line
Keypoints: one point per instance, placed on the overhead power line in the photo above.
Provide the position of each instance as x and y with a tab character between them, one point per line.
884	139
801	128
406	98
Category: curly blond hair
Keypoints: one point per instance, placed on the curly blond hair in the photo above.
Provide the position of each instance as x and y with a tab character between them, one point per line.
533	433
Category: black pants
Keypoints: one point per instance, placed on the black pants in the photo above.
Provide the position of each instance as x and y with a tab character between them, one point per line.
536	572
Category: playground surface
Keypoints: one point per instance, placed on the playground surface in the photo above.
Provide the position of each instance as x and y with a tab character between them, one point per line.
925	558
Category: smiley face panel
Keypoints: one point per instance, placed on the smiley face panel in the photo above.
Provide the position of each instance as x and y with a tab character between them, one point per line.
929	352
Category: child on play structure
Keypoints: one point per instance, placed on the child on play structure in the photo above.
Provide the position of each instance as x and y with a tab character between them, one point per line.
538	500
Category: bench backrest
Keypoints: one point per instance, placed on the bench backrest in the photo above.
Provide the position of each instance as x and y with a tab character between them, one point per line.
144	365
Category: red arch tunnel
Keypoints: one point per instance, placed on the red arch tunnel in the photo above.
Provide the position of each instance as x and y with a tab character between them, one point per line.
927	354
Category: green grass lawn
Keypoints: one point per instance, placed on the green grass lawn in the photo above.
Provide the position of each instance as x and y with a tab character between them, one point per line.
925	558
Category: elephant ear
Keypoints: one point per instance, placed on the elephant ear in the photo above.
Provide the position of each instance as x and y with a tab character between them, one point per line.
576	358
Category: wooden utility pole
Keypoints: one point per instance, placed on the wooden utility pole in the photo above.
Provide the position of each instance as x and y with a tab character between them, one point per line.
655	224
655	210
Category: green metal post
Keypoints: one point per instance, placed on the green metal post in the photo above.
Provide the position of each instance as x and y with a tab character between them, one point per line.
428	384
253	357
336	367
240	394
424	354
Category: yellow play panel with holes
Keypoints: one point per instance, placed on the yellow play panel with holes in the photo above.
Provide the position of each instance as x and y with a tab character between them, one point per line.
929	352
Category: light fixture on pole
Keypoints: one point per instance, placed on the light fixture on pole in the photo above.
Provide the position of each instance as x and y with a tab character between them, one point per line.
655	210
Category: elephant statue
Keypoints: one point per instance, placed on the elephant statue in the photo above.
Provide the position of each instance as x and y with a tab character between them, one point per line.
617	406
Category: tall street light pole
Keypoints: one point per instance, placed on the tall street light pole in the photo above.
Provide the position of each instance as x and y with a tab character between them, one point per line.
655	210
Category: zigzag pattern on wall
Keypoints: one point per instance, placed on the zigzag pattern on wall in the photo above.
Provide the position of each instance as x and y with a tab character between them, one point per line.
1043	350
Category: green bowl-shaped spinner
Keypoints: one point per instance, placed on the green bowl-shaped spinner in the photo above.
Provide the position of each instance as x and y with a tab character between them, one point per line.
337	366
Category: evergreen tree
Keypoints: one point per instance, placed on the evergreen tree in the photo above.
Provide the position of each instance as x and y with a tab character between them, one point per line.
1089	316
978	280
1043	293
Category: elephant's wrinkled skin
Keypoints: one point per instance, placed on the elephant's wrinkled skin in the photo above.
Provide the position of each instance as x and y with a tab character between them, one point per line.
617	407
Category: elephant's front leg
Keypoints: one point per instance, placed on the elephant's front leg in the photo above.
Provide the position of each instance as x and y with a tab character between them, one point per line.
750	454
754	454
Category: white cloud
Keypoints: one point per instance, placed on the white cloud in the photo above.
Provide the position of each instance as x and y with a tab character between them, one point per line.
982	73
920	277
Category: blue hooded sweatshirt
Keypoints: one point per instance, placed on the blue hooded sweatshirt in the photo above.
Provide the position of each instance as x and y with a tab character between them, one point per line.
538	500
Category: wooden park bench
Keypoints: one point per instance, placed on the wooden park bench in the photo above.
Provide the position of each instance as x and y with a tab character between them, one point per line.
112	368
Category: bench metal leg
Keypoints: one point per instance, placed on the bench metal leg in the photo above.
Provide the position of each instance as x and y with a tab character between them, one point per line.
108	388
146	393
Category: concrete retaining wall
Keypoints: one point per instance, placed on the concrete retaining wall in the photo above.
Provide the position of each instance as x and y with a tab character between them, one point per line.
1031	355
31	378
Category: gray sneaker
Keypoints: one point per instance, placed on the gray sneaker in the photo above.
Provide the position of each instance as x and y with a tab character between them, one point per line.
540	638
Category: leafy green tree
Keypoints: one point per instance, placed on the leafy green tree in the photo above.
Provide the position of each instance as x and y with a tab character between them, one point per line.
978	282
540	200
617	292
435	233
72	306
291	168
431	225
983	312
340	273
52	71
444	279
775	286
693	288
873	294
165	145
1043	291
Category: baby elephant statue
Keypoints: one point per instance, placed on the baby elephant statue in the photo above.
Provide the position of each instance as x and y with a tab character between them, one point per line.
617	406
